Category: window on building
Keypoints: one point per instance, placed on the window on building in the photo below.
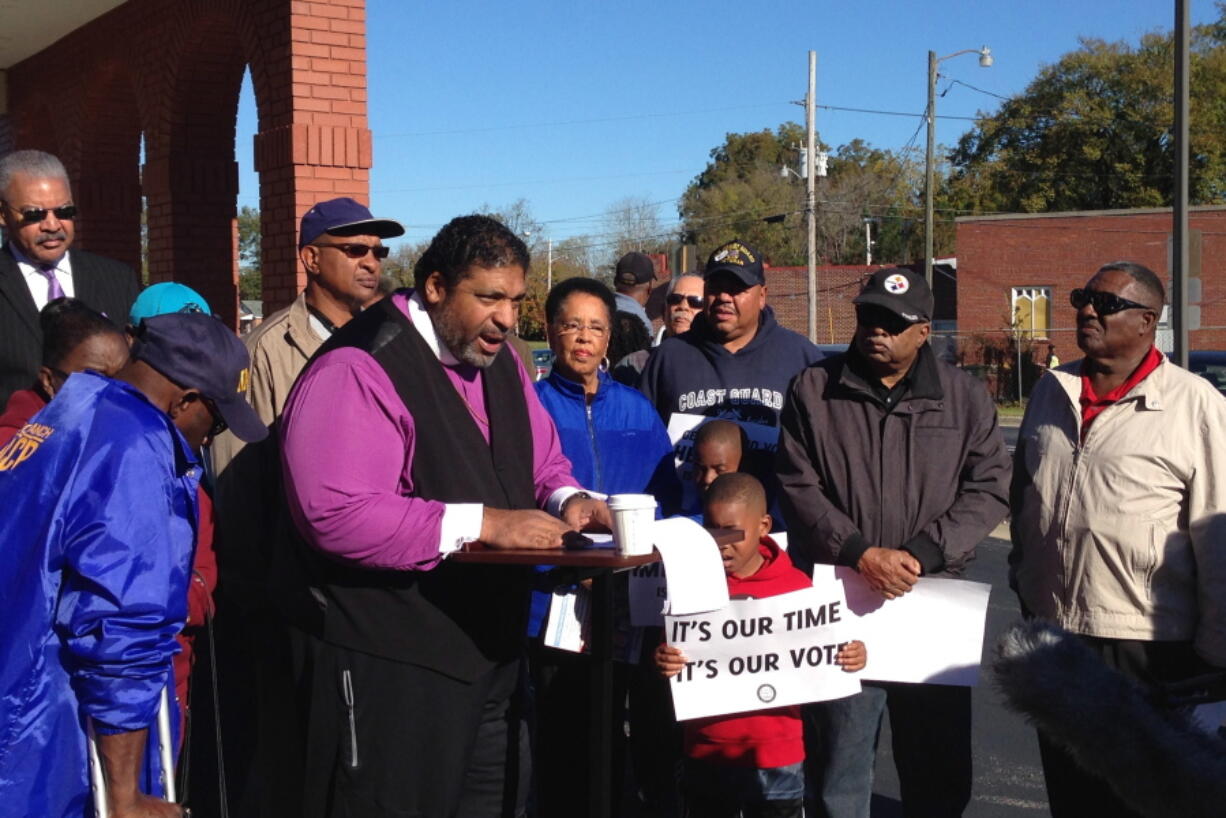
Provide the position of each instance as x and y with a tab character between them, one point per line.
1032	311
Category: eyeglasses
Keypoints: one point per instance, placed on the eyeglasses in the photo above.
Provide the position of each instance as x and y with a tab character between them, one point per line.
35	215
1104	303
572	327
693	301
356	251
219	423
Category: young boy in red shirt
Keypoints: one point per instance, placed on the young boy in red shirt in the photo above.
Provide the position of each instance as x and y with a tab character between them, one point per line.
750	764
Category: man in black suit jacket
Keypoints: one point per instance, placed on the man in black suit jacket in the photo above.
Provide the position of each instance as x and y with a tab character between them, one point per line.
37	264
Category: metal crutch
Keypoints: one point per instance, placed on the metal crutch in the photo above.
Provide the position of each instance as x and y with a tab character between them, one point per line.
165	757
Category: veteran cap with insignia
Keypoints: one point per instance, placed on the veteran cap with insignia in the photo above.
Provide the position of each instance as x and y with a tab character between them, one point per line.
737	258
196	351
900	291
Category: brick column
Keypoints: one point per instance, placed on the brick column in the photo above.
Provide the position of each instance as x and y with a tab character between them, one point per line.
190	203
110	202
314	142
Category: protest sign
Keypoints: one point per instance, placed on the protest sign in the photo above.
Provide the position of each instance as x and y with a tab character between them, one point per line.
932	634
648	591
761	653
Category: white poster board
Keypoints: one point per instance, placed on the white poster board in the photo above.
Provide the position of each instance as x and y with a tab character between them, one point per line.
933	633
761	653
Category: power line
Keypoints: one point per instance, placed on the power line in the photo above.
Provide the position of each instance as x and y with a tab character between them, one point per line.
893	113
484	185
568	122
980	90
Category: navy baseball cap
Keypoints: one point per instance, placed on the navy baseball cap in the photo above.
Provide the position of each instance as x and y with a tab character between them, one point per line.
344	217
197	351
899	290
737	258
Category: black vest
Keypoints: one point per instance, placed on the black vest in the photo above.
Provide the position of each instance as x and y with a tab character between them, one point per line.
460	620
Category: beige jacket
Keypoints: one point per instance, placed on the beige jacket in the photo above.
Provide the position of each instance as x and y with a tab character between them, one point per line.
248	492
1124	536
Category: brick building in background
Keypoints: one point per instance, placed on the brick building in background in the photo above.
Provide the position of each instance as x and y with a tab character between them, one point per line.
788	292
1017	270
95	82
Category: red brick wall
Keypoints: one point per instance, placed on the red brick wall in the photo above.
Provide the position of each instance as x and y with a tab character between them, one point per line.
1062	251
787	291
172	72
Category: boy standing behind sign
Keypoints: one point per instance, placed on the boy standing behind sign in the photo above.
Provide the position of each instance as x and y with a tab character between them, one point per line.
749	764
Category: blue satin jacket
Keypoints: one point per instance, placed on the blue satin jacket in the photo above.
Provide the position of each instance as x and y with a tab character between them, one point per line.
99	519
617	444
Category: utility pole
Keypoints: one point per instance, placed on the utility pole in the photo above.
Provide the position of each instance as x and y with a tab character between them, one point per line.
549	265
811	192
985	61
1179	213
928	173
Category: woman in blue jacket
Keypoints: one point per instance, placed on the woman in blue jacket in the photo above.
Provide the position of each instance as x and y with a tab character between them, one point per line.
616	444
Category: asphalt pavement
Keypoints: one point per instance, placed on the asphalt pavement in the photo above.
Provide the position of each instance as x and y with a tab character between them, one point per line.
1008	778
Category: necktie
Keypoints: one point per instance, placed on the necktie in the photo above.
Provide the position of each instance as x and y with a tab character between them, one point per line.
54	290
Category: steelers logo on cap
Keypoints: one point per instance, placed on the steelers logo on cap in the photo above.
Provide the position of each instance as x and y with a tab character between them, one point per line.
897	284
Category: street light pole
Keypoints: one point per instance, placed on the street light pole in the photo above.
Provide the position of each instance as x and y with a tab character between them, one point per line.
985	61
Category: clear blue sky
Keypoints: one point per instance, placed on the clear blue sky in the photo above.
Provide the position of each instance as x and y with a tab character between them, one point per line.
576	105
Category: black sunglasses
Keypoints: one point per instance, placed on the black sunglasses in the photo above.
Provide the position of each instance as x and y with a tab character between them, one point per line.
694	301
219	423
35	215
1104	303
355	250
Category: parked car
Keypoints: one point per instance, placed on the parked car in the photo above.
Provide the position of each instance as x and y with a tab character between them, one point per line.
1210	364
542	361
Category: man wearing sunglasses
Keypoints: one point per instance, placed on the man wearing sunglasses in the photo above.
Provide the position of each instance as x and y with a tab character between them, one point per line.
38	263
341	249
1119	508
891	462
100	497
683	302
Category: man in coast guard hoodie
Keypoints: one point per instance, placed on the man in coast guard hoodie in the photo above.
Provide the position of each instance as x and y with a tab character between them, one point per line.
735	362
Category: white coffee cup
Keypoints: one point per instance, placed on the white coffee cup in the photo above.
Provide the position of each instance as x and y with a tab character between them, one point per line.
633	515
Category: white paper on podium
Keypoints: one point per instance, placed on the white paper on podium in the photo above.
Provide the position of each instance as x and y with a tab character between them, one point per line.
649	589
933	633
696	581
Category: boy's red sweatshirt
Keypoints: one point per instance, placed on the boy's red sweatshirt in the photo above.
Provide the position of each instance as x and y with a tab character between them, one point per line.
763	738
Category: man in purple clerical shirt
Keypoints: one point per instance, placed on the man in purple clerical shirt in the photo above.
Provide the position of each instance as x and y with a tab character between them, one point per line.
412	433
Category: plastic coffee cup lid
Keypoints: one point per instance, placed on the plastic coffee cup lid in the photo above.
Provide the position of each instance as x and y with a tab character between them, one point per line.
631	501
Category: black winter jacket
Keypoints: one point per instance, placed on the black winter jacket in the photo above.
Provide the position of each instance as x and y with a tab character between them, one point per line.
930	475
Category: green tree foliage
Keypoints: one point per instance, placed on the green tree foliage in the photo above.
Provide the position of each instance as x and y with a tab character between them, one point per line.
742	186
250	281
1093	132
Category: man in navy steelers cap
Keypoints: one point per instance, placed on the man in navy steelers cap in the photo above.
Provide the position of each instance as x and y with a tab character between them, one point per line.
891	463
100	498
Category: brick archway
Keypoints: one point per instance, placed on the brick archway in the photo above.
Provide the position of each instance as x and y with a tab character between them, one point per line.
190	177
172	71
